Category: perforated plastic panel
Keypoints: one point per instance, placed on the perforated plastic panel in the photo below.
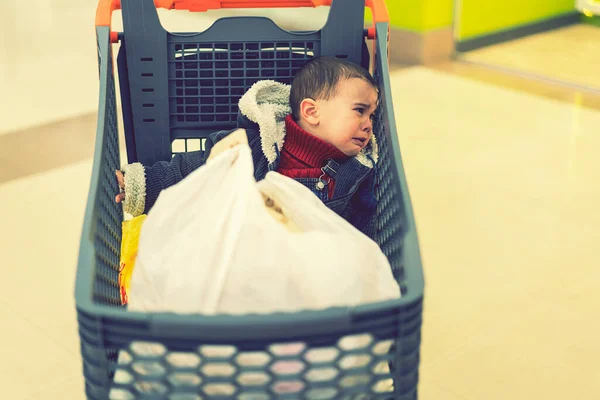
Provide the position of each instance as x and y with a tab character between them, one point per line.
390	208
353	367
206	80
109	215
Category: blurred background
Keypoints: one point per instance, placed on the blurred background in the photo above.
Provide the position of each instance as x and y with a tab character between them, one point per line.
497	107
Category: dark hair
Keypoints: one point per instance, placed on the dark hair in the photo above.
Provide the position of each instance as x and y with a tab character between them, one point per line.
318	80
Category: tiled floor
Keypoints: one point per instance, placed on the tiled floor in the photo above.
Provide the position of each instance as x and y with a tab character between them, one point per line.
39	346
566	55
503	177
505	197
52	72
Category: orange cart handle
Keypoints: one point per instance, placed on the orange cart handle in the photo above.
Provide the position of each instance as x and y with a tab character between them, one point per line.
106	8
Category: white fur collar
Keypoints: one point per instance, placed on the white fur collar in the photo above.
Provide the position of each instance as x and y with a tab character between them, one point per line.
266	103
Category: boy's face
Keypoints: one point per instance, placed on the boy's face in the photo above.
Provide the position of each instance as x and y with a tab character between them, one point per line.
345	120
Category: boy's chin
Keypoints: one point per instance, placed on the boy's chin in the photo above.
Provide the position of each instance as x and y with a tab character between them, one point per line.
352	152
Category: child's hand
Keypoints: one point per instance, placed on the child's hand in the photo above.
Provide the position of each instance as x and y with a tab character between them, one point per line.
235	138
121	179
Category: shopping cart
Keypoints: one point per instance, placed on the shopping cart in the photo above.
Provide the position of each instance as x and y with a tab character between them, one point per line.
177	88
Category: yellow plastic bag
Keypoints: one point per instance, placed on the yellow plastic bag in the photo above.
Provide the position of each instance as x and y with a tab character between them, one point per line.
129	251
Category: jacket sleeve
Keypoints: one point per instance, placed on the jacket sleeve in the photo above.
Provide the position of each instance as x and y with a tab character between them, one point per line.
143	184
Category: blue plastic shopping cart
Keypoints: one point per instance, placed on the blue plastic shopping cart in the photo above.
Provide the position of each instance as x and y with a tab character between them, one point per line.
178	87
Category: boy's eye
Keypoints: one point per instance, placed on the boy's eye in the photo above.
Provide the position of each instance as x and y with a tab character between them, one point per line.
360	110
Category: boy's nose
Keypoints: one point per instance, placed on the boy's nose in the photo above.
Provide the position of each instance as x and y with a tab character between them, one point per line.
368	126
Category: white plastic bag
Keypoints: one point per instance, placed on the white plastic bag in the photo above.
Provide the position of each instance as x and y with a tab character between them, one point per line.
210	246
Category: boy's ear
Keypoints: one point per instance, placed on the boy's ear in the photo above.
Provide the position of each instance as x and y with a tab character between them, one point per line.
309	111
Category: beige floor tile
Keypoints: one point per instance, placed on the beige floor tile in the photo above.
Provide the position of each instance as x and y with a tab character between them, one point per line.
539	353
29	360
520	82
45	213
430	391
569	54
39	149
505	196
69	389
48	69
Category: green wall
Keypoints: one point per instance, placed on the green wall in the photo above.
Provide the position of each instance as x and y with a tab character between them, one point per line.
481	17
420	15
405	14
477	17
438	14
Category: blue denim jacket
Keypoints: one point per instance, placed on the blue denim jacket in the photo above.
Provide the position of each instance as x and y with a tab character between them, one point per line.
262	111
